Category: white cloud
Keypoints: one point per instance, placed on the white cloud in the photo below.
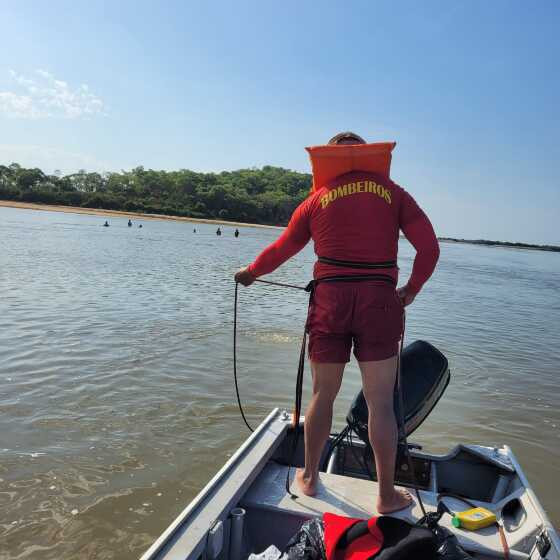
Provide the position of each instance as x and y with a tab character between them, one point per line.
44	73
18	105
44	96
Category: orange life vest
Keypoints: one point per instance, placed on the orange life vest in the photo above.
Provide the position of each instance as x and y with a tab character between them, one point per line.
330	161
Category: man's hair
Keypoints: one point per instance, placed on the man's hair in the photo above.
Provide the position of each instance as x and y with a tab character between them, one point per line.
347	136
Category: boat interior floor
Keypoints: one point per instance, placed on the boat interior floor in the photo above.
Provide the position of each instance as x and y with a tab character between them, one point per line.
267	502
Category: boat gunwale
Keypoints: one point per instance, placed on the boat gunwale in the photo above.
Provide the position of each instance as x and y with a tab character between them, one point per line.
199	499
547	524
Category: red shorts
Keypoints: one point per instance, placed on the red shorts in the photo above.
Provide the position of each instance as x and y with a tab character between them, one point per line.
368	314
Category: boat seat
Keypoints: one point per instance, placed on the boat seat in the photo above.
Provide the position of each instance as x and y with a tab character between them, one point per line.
351	497
338	494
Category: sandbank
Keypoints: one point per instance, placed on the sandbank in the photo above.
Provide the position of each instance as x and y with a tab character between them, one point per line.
123	214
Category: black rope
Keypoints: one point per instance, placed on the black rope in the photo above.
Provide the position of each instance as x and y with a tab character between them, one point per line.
281	284
301	366
235	341
297	410
235	359
338	438
299	381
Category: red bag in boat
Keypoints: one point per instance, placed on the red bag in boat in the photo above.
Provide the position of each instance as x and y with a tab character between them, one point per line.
379	538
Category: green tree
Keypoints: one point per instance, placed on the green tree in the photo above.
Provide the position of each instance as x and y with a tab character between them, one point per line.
268	195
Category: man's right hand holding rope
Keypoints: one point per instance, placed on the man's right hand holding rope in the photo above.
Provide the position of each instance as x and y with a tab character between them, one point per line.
244	277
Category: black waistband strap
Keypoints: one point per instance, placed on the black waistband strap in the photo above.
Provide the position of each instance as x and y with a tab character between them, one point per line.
354	278
358	264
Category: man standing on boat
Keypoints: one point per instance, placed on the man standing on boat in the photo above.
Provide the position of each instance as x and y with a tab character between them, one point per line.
354	214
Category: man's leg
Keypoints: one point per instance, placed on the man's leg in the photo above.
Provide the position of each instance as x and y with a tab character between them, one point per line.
378	381
318	419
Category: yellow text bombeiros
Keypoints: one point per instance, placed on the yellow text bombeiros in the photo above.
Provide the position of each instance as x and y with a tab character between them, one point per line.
355	188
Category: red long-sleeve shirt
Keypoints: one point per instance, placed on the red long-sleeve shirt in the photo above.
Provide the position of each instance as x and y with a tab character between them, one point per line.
356	218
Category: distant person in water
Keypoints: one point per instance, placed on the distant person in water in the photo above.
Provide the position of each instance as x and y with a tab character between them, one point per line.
194	230
129	223
218	231
106	224
236	233
139	225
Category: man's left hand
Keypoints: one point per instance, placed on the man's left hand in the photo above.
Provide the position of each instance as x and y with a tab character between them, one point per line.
405	296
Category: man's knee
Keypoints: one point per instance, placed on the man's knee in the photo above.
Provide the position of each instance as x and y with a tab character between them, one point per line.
325	395
379	406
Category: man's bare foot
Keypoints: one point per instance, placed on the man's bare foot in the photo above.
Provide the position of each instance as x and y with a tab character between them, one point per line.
307	485
400	499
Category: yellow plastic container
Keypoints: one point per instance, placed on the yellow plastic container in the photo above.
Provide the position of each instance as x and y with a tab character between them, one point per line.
473	519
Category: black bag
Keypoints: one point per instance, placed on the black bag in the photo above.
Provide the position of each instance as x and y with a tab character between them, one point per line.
308	543
404	541
448	547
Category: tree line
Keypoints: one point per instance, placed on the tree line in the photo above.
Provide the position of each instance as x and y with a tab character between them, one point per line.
264	196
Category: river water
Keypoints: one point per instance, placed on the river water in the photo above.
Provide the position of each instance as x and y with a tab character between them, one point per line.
117	402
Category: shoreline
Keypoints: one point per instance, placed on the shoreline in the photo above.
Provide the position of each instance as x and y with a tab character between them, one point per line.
502	244
123	214
142	216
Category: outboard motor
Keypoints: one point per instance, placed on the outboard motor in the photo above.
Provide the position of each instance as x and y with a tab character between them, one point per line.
424	376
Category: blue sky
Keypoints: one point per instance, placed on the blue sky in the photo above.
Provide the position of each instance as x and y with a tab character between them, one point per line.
469	90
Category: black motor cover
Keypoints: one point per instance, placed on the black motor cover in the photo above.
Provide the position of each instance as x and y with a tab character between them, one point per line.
424	376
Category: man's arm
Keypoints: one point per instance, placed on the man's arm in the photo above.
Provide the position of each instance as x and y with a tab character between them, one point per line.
293	239
418	229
